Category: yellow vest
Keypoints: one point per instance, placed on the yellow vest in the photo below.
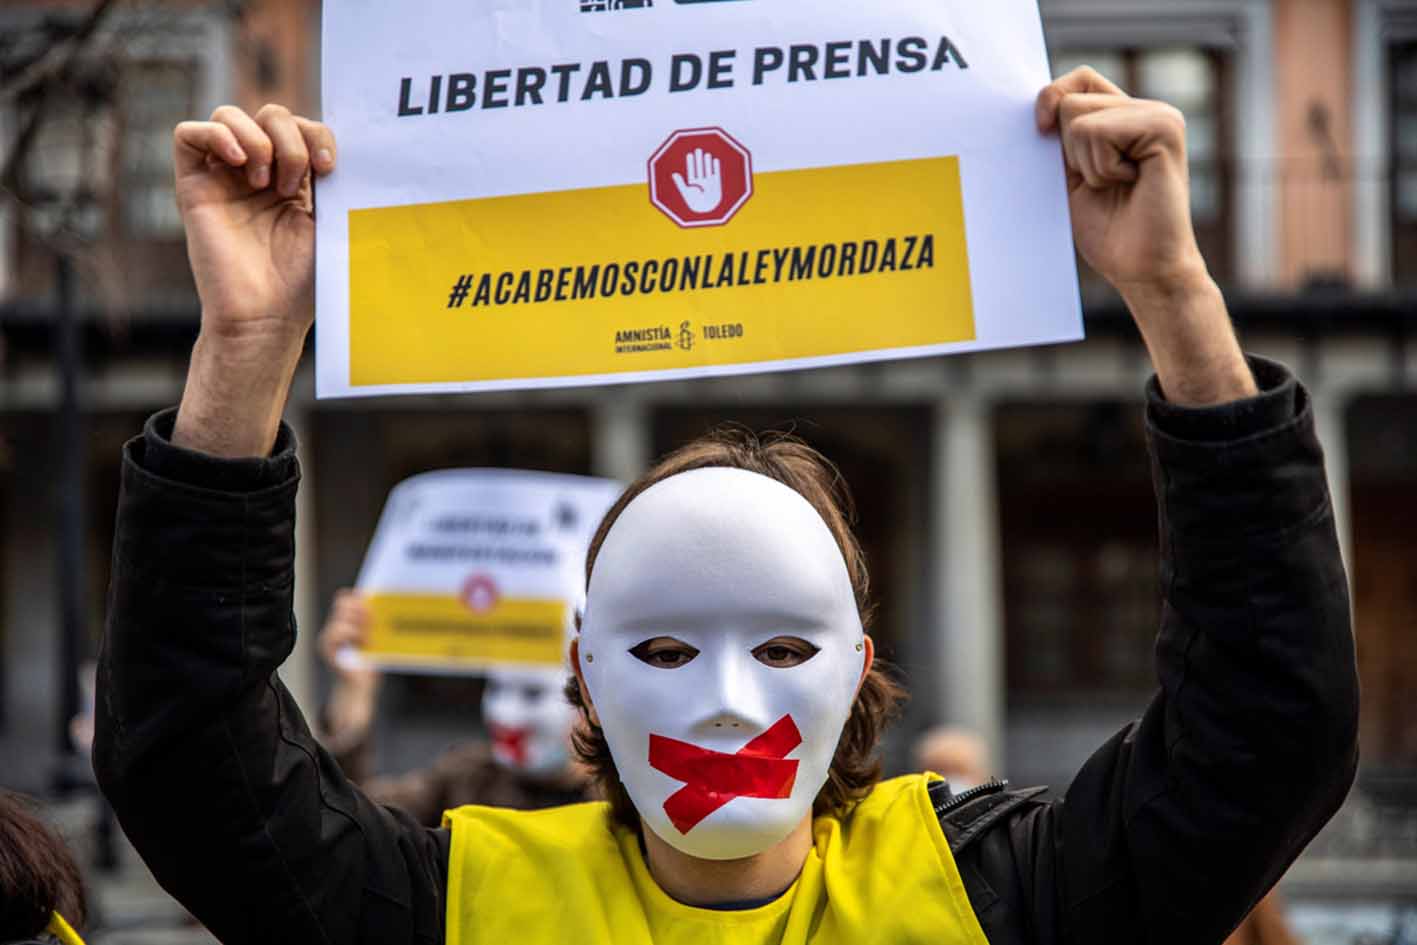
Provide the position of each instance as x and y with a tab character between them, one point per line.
884	873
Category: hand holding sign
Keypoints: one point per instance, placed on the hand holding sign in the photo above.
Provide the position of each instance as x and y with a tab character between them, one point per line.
244	188
1126	161
1131	216
345	631
704	190
350	710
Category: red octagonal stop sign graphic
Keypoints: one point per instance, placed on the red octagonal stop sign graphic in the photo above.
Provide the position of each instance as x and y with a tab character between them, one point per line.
700	177
480	593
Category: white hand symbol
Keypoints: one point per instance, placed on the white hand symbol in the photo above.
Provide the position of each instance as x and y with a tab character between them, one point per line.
703	191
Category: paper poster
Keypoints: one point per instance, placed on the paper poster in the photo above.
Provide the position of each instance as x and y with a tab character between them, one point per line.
474	568
536	193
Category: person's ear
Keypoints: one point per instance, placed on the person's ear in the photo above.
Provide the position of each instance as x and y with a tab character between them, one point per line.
870	654
580	682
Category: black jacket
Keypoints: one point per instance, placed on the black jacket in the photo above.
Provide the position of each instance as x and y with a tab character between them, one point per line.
1170	832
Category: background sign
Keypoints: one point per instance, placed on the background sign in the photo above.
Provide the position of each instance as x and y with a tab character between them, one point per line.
549	192
474	568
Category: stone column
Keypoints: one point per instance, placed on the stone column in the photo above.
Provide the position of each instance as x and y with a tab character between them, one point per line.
965	551
620	445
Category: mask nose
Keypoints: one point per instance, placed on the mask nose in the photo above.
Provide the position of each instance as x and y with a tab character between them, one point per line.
739	703
503	707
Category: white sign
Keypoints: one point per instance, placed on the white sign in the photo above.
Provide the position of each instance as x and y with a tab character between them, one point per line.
536	193
472	568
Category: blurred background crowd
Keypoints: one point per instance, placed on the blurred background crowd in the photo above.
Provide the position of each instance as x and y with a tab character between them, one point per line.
1004	498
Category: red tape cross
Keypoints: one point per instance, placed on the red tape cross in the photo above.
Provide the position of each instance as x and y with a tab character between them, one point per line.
713	778
510	740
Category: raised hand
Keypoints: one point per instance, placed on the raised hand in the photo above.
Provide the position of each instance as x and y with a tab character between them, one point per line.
1129	194
346	629
351	706
244	188
244	191
703	190
1127	180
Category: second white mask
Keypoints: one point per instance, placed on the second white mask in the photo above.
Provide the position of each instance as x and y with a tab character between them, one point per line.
529	720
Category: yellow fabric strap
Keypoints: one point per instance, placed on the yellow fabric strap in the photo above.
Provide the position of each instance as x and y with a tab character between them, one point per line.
883	873
62	930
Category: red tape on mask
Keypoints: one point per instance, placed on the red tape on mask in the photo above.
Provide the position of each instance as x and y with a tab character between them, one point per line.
713	778
511	742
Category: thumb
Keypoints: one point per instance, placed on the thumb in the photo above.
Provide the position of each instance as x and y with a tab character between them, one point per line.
679	182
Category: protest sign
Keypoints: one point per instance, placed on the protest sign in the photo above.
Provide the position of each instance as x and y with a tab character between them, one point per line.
473	568
552	192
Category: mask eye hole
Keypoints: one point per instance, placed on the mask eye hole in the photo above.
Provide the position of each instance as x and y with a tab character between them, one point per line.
664	652
785	652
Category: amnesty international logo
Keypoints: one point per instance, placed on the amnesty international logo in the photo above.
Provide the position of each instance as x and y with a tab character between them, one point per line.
599	6
686	337
605	6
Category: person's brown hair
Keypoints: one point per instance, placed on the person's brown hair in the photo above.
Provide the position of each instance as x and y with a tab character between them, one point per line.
855	767
38	874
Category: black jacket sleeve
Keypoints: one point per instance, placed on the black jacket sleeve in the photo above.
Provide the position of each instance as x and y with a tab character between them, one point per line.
203	753
1179	824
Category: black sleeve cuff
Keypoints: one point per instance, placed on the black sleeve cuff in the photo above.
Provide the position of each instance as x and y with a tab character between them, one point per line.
158	455
1225	474
1276	404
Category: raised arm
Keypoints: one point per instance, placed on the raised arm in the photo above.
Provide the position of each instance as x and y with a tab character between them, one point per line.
201	750
1177	826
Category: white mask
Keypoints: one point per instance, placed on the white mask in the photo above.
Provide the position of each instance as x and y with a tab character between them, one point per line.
529	720
723	560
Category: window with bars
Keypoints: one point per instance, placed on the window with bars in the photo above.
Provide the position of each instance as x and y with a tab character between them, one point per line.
1383	515
154	96
1078	551
1402	82
1197	80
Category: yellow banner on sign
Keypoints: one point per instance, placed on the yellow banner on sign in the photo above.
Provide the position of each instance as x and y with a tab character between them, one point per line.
441	630
818	262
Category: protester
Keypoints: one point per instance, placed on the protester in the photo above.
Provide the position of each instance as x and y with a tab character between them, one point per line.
527	765
958	755
41	889
724	631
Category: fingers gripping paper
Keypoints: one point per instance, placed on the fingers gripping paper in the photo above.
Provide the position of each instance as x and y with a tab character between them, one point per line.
553	192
